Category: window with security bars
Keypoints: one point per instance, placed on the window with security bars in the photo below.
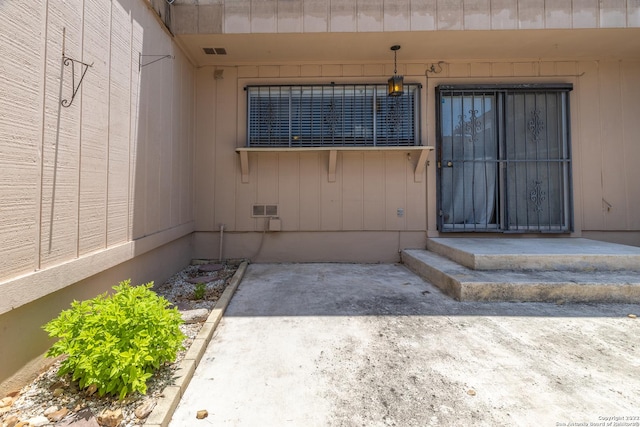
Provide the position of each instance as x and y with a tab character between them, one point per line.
332	115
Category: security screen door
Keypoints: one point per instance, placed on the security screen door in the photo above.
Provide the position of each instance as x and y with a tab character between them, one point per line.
504	162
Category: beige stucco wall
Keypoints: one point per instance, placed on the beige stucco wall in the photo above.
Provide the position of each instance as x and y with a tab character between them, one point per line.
86	189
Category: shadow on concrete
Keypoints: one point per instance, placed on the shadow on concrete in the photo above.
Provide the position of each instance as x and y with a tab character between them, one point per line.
378	290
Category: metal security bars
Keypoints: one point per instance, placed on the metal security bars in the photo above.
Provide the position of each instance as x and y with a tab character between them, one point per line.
504	160
332	115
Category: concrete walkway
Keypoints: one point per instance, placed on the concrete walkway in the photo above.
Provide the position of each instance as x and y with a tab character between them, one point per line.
375	345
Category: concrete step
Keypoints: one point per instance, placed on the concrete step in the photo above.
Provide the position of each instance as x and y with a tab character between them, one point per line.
573	254
465	284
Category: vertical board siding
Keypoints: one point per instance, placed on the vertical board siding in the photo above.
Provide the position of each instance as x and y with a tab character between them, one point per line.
77	180
60	156
20	134
630	80
95	119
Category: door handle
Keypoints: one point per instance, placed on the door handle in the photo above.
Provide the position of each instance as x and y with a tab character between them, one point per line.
449	164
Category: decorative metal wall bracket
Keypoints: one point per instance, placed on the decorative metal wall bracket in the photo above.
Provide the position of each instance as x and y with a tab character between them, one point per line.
158	58
83	67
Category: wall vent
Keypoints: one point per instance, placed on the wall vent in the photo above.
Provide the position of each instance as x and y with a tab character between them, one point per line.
264	210
215	50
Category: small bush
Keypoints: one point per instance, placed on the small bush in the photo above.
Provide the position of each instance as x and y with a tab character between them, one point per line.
200	291
116	342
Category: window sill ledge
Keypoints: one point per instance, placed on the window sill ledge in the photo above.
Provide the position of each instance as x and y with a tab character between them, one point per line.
333	156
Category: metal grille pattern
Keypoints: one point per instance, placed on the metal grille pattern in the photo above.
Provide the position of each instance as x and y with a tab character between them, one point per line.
504	160
327	115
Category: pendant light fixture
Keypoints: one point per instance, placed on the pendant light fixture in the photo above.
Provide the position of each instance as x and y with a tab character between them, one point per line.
395	81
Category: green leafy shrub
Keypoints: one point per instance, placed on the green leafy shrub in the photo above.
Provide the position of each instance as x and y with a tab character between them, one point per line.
117	341
199	291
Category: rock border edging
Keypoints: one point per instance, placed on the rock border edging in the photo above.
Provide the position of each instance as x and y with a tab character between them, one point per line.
162	413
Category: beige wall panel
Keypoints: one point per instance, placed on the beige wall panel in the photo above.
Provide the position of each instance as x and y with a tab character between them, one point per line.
352	70
373	70
459	70
480	69
633	13
612	144
352	190
370	15
311	165
165	109
290	16
477	14
416	69
331	194
502	69
568	68
247	71
266	71
226	160
613	13
504	14
416	203
94	130
143	85
204	161
310	70
263	16
585	13
587	102
630	90
531	14
373	191
244	196
119	104
61	139
23	41
237	16
331	70
558	14
267	178
450	14
289	71
187	200
395	171
289	190
423	15
397	16
315	16
177	146
342	16
547	68
524	69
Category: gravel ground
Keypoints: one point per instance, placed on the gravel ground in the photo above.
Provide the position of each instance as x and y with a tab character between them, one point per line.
50	396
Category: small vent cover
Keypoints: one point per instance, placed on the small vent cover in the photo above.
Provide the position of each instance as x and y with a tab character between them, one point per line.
264	210
214	50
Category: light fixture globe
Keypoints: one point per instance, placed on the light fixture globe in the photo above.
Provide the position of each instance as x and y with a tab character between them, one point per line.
395	82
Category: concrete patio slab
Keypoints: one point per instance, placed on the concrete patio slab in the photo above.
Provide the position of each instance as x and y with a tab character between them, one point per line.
375	345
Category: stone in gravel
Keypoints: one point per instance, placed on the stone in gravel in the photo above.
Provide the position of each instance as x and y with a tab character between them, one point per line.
145	409
58	392
11	421
195	316
202	414
38	421
56	416
631	316
6	401
110	418
50	410
210	268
